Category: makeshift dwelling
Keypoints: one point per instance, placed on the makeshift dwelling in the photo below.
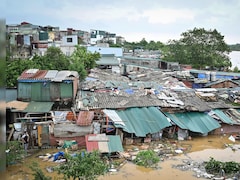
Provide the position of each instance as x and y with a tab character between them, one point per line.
47	86
195	122
229	125
138	122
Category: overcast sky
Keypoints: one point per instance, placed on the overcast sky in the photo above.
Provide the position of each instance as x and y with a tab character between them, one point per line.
158	20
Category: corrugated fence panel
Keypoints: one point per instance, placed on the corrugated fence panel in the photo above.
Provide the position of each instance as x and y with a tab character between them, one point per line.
66	89
46	91
55	91
36	91
24	91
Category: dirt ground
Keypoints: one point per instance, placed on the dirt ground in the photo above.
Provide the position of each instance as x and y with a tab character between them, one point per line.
198	149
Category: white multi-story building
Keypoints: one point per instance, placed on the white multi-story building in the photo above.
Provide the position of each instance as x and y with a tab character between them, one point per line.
99	36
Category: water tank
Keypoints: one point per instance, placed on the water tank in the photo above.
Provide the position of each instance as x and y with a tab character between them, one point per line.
213	76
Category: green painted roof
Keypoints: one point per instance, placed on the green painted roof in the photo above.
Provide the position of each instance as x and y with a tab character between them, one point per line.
114	144
223	116
194	121
38	107
142	121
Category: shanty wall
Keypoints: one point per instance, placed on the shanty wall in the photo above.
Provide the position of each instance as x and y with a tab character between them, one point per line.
47	91
227	129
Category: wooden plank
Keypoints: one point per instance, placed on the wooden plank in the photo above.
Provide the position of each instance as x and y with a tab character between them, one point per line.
11	133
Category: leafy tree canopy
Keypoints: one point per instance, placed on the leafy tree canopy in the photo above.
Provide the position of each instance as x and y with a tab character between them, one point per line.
54	59
82	61
143	44
14	70
200	48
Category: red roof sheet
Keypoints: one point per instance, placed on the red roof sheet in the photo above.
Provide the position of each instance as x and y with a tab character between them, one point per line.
40	74
85	118
97	142
91	145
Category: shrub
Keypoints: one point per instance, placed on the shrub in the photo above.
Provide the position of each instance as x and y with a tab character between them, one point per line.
14	152
146	158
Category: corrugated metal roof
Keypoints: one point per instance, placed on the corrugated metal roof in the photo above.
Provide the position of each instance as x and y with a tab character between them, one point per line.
91	145
32	71
194	121
61	75
114	116
142	121
85	118
74	73
51	74
17	105
54	75
40	74
223	116
39	107
103	147
113	144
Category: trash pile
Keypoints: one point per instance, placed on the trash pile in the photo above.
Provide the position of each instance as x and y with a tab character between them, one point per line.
165	149
200	171
56	157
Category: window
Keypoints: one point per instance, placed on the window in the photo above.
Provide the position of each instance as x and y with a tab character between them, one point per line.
69	39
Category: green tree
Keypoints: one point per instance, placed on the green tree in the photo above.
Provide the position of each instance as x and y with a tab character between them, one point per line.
54	59
175	52
152	45
2	72
200	48
84	166
143	43
235	69
82	61
15	68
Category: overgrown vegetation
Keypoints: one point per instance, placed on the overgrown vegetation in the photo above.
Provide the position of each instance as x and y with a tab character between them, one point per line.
14	152
83	166
38	173
81	61
147	158
214	167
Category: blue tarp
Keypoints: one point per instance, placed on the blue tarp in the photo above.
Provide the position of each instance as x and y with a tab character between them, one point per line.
57	155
